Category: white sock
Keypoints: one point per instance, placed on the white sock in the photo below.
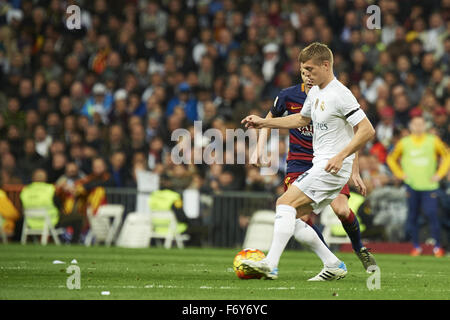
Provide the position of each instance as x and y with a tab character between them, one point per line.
283	230
305	234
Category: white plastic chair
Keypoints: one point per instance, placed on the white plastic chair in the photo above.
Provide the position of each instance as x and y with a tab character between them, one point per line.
329	219
172	233
105	224
48	229
136	231
260	230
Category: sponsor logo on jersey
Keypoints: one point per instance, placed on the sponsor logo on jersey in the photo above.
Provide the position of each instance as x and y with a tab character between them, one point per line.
306	131
321	126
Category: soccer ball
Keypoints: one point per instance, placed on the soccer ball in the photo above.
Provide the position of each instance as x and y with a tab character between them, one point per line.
247	254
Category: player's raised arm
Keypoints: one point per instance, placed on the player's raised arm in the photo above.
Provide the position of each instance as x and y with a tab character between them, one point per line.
290	122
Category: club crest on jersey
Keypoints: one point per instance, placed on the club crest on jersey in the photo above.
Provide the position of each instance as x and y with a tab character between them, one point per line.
322	106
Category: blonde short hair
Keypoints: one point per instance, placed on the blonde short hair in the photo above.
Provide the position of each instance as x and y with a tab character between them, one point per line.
316	51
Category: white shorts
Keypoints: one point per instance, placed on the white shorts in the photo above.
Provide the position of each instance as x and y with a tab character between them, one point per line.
321	186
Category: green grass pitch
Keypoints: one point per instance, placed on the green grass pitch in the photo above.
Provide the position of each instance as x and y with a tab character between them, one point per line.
28	272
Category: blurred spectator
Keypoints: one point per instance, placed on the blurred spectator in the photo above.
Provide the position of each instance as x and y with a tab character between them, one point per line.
254	181
9	213
271	61
179	178
419	170
119	112
413	88
206	72
369	85
13	114
90	190
138	141
66	191
402	109
93	137
388	30
15	140
27	98
434	35
249	102
57	166
100	103
372	47
71	175
32	119
116	140
156	152
42	140
200	49
77	96
185	100
9	172
54	125
438	82
441	123
119	170
30	160
40	194
385	128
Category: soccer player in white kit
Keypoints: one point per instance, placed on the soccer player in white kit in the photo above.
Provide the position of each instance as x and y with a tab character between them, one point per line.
341	128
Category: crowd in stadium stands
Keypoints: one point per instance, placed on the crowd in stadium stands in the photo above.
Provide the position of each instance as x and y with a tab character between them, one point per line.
139	69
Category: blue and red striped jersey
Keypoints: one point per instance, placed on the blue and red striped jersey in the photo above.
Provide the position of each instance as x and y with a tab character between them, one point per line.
300	140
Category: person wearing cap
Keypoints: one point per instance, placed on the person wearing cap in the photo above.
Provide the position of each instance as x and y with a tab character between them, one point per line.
99	103
415	112
119	113
14	16
185	100
271	61
414	160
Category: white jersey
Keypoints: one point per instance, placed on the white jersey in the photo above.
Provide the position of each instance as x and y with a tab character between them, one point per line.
334	112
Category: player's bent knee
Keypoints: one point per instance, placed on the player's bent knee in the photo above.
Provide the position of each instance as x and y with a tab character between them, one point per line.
340	207
341	212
